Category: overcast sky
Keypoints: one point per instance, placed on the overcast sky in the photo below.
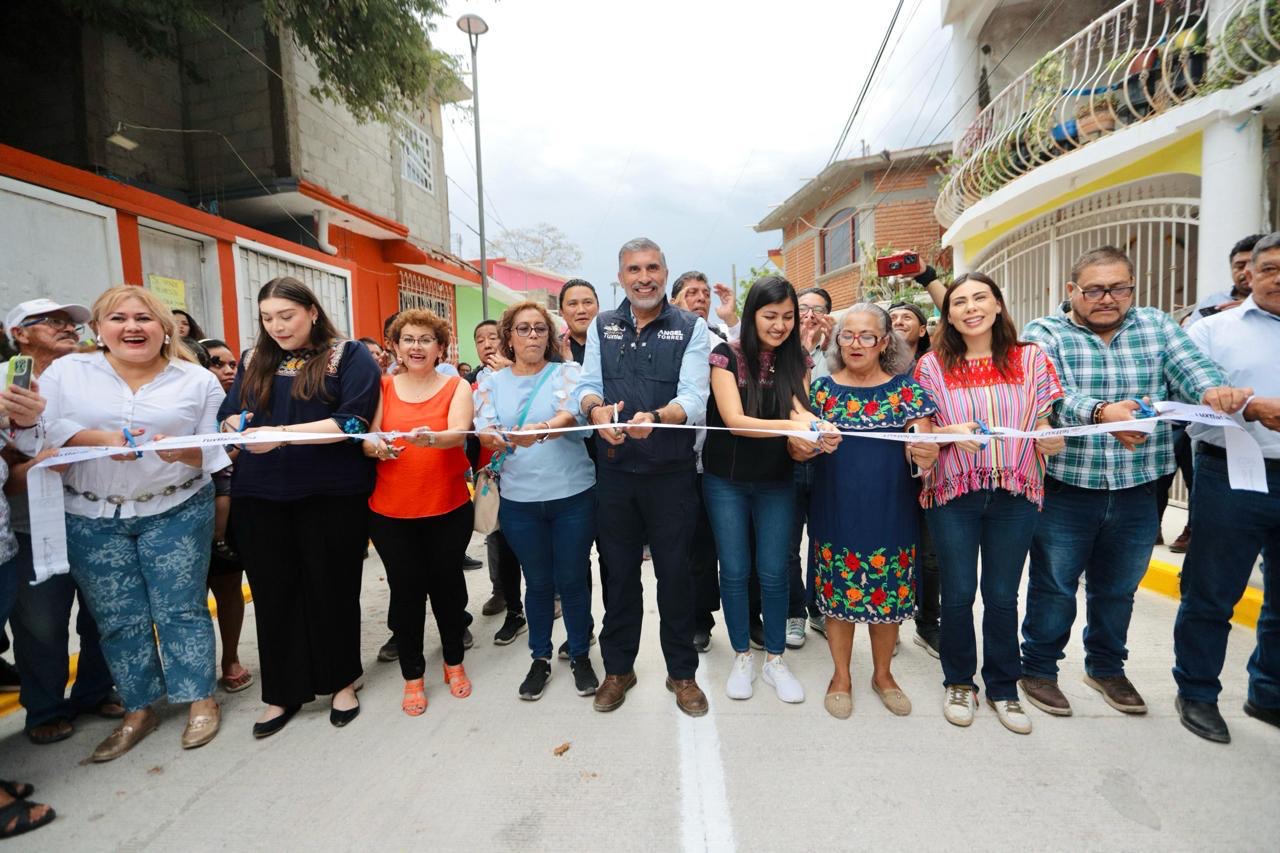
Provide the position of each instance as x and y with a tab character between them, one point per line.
680	121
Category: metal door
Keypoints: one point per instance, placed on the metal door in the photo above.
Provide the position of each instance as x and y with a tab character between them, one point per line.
257	268
178	258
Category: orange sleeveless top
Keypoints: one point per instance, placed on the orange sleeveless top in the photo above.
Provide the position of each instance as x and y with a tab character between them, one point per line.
423	481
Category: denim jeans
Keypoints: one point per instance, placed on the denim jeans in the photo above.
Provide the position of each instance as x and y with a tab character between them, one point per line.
801	573
998	525
735	509
1107	535
143	577
1233	526
553	541
40	622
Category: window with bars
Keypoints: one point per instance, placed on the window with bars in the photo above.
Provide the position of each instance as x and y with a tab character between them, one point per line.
416	158
839	240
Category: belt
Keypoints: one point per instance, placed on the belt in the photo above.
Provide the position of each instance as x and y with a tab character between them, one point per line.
116	500
1218	453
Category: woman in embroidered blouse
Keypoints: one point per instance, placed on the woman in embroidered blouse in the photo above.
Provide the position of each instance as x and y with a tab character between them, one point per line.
420	510
300	508
548	507
139	526
757	382
862	515
984	497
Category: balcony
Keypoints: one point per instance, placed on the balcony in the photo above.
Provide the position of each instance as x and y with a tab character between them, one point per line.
1139	60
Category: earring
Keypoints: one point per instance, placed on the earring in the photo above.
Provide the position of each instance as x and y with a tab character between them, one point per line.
313	321
166	340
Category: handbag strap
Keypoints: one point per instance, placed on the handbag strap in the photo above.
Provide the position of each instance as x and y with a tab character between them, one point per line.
495	464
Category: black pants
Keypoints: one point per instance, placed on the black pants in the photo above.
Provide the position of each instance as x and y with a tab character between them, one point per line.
423	558
1182	455
705	569
504	570
928	585
303	559
660	509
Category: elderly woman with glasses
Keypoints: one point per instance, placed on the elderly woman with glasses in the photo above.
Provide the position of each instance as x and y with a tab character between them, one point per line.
548	507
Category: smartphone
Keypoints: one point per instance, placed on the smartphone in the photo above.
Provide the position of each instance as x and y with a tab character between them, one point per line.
21	368
912	467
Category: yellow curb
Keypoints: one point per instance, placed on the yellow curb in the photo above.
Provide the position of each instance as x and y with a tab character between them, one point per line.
9	701
1162	577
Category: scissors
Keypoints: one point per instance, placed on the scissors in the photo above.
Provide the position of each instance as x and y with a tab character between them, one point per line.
1145	409
128	437
983	429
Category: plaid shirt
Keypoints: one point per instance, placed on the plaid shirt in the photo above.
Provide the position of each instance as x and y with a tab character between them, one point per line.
1149	356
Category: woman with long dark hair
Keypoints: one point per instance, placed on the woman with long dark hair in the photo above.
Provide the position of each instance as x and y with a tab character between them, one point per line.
757	383
984	497
188	328
300	508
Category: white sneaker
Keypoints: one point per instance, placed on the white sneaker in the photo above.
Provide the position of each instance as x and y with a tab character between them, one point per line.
1011	715
777	676
741	675
795	632
960	704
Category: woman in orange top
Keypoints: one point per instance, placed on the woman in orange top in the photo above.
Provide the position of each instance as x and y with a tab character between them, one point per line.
421	514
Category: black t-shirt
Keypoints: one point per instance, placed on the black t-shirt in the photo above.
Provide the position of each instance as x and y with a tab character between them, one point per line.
738	458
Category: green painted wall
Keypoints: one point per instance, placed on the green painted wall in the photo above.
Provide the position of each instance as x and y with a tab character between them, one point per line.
469	314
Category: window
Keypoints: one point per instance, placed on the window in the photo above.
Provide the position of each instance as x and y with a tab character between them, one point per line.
415	155
839	240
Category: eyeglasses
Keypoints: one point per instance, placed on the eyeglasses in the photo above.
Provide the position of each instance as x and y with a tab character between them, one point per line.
1094	294
524	330
815	310
424	341
217	362
52	322
865	340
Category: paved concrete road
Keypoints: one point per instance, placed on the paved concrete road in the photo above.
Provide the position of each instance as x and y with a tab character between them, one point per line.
483	773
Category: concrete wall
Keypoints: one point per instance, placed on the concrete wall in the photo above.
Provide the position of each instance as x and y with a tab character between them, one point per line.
1013	18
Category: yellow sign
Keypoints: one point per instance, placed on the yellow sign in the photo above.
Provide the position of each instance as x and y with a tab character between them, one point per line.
172	291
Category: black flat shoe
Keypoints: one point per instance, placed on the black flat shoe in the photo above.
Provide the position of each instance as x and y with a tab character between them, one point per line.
1266	715
341	718
275	724
1203	719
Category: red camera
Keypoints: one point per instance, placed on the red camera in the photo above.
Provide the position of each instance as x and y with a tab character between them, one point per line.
903	264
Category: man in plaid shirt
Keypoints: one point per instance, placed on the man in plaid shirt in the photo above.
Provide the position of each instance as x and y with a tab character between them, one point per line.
1100	513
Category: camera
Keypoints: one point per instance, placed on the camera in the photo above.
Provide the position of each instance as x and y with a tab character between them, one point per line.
901	264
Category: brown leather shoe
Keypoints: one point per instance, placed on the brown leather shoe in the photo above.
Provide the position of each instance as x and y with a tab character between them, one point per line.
689	696
1118	692
1045	695
201	729
1182	543
125	738
613	692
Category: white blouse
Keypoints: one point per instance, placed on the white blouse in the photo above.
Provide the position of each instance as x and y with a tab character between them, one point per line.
85	392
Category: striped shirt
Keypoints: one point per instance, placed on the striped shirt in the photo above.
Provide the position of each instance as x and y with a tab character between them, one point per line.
977	391
1147	356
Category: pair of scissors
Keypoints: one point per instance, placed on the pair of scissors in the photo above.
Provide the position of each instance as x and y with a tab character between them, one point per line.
128	437
1145	409
983	429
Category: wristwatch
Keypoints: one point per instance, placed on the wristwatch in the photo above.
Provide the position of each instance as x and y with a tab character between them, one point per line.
431	439
657	418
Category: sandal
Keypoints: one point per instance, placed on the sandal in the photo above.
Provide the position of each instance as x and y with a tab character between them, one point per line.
456	678
42	735
236	683
18	813
17	790
414	702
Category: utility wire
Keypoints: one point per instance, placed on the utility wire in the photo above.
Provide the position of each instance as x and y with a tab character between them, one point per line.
866	84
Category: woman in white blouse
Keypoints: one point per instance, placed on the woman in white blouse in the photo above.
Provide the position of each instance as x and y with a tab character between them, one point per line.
139	525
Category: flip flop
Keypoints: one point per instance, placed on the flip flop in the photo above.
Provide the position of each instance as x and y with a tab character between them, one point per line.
235	685
60	730
17	790
19	811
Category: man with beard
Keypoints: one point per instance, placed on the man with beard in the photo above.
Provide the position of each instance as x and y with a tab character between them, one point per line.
1099	514
646	361
46	330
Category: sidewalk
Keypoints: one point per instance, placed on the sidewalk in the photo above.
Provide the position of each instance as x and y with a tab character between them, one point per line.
483	774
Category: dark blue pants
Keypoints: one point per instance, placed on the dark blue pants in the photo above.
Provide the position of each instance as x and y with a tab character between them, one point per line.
800	573
661	510
998	525
1105	535
1233	527
40	621
552	539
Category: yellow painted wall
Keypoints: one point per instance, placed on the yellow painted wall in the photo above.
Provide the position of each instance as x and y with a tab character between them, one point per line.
1182	156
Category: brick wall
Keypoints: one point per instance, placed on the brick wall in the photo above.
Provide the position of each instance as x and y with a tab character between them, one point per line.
798	260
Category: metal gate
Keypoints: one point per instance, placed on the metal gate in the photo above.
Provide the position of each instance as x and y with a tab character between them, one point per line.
257	266
177	259
420	291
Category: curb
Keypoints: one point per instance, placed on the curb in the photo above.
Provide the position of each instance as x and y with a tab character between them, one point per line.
1162	577
9	701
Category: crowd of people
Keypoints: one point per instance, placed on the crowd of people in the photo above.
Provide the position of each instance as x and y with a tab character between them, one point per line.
776	416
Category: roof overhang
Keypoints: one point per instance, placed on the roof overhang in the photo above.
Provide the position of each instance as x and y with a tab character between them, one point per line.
429	262
299	198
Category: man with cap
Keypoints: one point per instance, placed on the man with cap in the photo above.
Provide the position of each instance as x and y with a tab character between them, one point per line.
46	330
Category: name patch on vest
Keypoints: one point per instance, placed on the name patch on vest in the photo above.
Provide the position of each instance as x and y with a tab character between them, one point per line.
613	331
670	335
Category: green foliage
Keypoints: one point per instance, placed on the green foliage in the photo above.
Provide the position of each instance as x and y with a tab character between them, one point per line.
374	56
753	275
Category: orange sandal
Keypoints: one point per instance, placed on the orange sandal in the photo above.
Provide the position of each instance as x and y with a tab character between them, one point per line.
456	678
415	698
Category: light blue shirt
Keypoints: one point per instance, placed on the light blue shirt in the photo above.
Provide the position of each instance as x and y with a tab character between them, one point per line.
1245	342
695	373
554	469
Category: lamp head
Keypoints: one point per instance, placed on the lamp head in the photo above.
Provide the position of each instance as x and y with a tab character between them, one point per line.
473	25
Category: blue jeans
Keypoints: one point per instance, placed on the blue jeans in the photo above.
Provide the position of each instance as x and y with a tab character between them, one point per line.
735	509
145	576
1107	536
1231	528
40	622
999	525
553	540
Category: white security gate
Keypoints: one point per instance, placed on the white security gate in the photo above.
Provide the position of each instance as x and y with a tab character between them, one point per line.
1155	222
174	264
257	264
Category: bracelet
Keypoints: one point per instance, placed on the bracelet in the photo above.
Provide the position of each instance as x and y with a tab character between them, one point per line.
591	410
543	437
657	415
1097	411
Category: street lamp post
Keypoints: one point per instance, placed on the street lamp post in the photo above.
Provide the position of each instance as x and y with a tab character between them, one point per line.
474	26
